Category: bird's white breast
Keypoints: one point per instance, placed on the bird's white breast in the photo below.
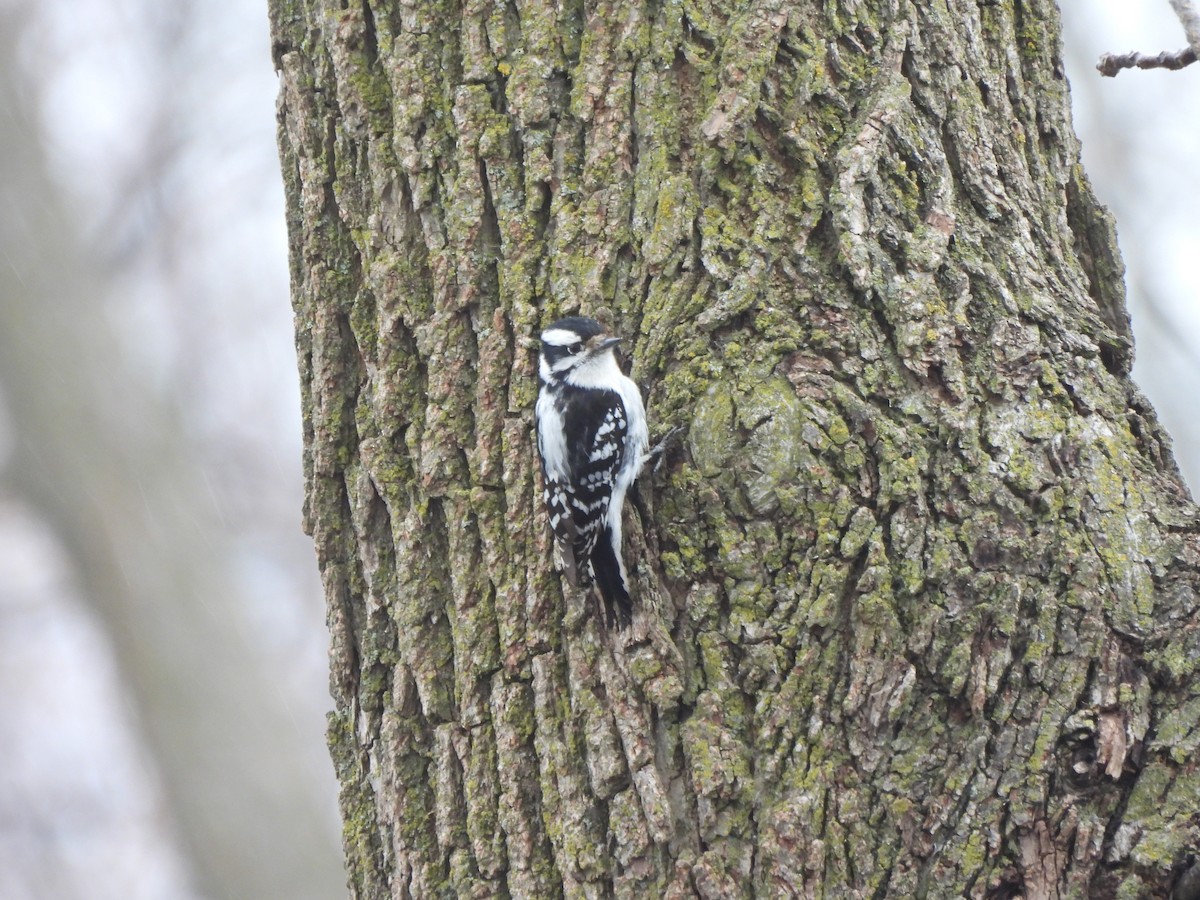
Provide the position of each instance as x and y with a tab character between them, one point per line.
552	440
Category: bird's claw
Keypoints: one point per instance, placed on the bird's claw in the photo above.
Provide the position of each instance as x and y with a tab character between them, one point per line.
658	452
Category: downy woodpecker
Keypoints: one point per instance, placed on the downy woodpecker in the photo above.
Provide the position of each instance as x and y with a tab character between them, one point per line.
592	439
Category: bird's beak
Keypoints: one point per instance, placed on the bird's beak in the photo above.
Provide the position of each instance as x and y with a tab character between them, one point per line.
605	344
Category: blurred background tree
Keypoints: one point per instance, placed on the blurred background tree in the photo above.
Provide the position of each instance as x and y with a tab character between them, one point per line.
152	467
162	640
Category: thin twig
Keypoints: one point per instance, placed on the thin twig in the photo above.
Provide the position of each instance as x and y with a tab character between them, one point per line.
1112	63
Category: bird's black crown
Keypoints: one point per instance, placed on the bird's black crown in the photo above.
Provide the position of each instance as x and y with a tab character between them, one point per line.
581	325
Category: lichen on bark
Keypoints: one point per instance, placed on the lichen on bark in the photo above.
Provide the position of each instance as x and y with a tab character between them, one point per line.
916	591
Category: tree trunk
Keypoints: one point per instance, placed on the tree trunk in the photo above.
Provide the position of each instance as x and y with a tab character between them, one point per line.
916	595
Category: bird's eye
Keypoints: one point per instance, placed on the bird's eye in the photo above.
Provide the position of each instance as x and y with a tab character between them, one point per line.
575	348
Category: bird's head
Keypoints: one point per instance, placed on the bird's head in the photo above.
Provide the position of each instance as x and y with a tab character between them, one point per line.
573	349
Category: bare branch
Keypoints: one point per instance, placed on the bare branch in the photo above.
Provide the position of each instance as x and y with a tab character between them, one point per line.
1112	63
1190	20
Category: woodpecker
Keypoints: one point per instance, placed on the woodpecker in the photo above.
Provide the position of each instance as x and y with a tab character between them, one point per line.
592	439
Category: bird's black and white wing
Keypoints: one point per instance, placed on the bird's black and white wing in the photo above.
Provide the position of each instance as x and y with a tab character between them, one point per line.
579	475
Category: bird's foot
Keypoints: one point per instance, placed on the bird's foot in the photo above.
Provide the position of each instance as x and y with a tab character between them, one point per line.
658	452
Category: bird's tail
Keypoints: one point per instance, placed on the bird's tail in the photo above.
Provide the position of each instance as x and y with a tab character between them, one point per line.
610	578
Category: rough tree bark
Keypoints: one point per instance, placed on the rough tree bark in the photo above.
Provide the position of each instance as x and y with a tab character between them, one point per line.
918	591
